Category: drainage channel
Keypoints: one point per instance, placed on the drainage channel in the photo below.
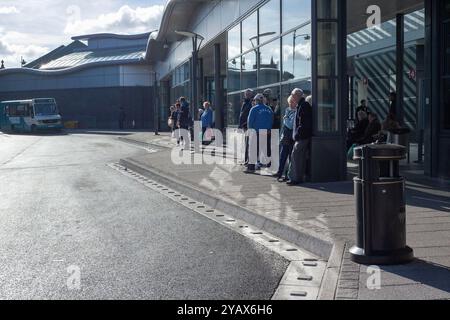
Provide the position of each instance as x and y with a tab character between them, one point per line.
303	278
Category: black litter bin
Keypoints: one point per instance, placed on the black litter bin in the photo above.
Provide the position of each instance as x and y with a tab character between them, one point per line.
380	206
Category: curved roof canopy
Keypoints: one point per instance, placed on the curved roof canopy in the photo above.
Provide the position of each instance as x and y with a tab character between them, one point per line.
177	16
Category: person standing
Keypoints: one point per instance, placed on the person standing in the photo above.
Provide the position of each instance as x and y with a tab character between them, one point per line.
362	107
175	116
184	116
275	106
302	134
286	140
247	105
171	121
206	119
393	105
122	117
260	118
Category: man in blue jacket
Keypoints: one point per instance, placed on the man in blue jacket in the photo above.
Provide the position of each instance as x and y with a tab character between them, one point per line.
303	131
207	120
260	119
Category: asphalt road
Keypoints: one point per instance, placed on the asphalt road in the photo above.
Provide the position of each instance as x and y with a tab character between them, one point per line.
73	228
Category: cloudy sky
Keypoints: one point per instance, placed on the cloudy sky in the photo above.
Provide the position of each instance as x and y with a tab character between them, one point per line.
31	28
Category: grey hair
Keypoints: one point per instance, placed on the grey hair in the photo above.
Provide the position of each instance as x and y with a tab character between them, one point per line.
297	91
309	100
259	98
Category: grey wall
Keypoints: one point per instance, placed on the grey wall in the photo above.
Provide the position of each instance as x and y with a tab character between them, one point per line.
97	107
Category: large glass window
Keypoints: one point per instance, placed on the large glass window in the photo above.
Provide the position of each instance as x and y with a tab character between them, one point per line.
297	54
181	74
269	20
234	109
250	32
327	67
327	49
270	69
327	102
234	42
327	9
249	70
258	58
295	13
234	75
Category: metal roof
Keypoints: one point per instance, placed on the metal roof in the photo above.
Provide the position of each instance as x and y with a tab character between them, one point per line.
123	55
113	36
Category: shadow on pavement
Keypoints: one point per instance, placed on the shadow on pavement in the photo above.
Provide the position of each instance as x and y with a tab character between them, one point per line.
430	198
423	272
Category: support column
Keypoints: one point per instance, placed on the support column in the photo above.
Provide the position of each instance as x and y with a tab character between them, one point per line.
432	95
218	89
329	90
200	84
400	62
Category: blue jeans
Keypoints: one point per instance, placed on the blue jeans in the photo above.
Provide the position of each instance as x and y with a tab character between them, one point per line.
285	155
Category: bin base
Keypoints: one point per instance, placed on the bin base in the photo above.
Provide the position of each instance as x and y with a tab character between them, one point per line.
401	256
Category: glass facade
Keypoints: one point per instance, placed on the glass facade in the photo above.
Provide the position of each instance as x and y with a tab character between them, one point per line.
275	53
250	32
295	13
269	20
270	66
327	67
180	82
296	49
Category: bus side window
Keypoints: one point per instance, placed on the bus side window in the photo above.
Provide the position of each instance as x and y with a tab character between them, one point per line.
30	112
12	111
21	111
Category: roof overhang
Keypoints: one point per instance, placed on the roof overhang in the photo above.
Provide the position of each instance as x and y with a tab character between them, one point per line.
178	15
56	72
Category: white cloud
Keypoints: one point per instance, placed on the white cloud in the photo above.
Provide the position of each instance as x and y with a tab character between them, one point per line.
125	20
8	10
43	25
12	53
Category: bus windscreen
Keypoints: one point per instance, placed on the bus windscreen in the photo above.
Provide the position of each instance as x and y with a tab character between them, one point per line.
45	109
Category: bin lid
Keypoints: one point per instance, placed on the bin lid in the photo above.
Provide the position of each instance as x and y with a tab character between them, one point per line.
381	151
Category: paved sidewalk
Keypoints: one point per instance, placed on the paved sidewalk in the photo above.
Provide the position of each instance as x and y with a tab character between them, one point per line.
324	215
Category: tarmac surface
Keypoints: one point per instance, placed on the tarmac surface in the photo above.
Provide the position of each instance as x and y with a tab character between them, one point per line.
73	228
